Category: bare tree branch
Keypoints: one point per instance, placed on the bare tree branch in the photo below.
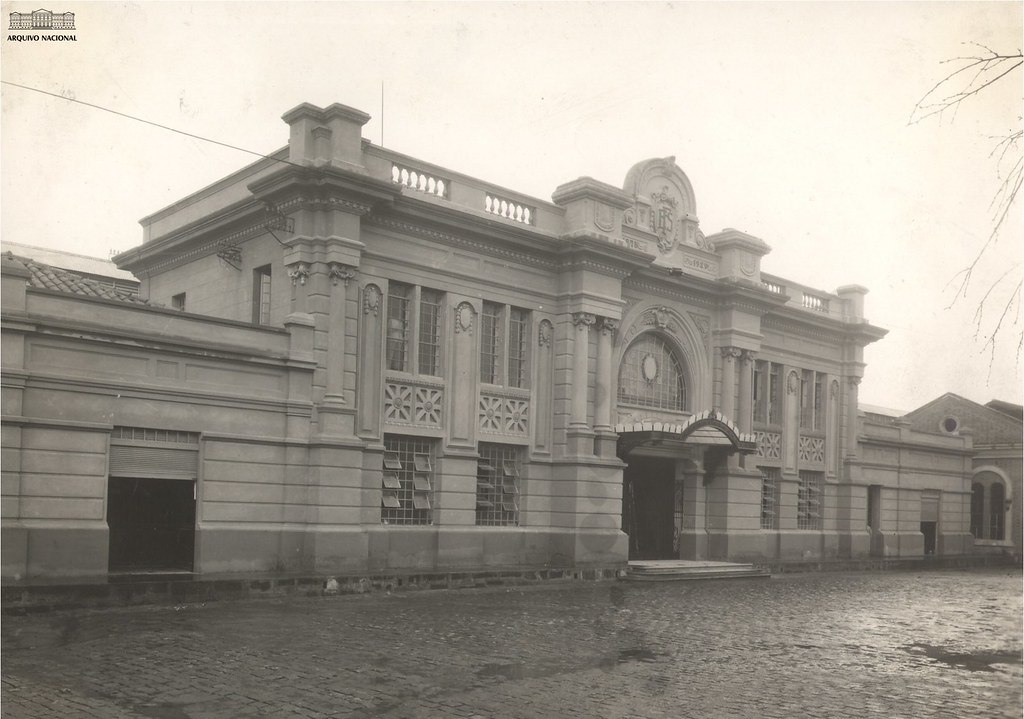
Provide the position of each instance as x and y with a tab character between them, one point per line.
988	69
973	74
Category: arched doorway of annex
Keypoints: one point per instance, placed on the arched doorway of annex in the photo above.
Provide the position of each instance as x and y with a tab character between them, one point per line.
663	376
991	507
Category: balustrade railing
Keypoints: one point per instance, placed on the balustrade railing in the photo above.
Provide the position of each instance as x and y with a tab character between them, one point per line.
814	302
419	181
773	287
515	211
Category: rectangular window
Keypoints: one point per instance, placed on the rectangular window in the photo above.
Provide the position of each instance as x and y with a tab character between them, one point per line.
518	321
178	302
767	402
430	332
497	484
808	501
491	333
407	485
261	295
775	395
770	488
819	401
812	400
397	340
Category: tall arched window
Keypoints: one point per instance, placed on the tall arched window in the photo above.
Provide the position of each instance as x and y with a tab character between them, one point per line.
977	510
652	376
996	497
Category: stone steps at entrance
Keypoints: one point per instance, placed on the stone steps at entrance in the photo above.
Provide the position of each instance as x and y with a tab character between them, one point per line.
667	570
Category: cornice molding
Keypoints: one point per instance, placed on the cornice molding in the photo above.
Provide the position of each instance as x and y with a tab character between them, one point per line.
448	238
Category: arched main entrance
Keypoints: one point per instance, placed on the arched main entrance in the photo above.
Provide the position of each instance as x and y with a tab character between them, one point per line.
658	456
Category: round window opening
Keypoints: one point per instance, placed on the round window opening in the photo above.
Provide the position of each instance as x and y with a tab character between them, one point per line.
950	424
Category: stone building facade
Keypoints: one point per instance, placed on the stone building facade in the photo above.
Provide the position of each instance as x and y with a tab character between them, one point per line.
350	359
997	466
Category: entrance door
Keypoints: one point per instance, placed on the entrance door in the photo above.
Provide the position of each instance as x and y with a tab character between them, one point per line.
152	524
648	497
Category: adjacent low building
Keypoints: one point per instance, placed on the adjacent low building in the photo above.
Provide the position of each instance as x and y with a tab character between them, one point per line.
346	359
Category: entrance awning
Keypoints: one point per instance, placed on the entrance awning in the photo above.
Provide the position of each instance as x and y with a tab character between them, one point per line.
707	429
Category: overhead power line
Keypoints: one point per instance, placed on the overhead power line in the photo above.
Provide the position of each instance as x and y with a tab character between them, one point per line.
154	124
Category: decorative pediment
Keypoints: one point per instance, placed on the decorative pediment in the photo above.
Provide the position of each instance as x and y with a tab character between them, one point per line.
663	204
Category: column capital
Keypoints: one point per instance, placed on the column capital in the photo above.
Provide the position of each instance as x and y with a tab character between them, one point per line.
583	320
748	355
339	271
730	352
608	326
298	272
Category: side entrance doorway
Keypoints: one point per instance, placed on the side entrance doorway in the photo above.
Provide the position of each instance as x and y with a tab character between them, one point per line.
648	507
152	524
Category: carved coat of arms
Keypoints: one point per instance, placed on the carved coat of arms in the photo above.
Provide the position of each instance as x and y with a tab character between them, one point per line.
663	219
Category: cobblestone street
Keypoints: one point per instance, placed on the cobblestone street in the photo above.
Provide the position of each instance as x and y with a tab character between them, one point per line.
898	644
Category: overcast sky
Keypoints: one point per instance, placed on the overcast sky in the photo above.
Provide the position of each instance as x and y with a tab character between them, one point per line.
790	119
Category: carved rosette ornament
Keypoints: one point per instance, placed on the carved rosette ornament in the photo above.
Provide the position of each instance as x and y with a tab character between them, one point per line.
464	318
583	320
339	272
371	300
299	273
544	332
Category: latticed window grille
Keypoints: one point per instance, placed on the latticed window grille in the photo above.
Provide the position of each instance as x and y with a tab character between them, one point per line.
808	500
430	332
497	484
491	333
518	320
145	434
767	392
397	341
771	478
408	481
652	376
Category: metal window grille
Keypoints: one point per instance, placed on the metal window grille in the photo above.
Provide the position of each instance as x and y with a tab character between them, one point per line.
261	295
770	481
808	501
497	484
652	376
430	332
517	333
397	340
145	434
490	343
407	486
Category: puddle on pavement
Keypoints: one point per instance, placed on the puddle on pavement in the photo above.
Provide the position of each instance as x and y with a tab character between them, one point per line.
980	661
522	670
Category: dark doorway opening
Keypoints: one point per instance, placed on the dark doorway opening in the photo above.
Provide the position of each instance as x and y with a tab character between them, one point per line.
648	511
928	530
152	524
